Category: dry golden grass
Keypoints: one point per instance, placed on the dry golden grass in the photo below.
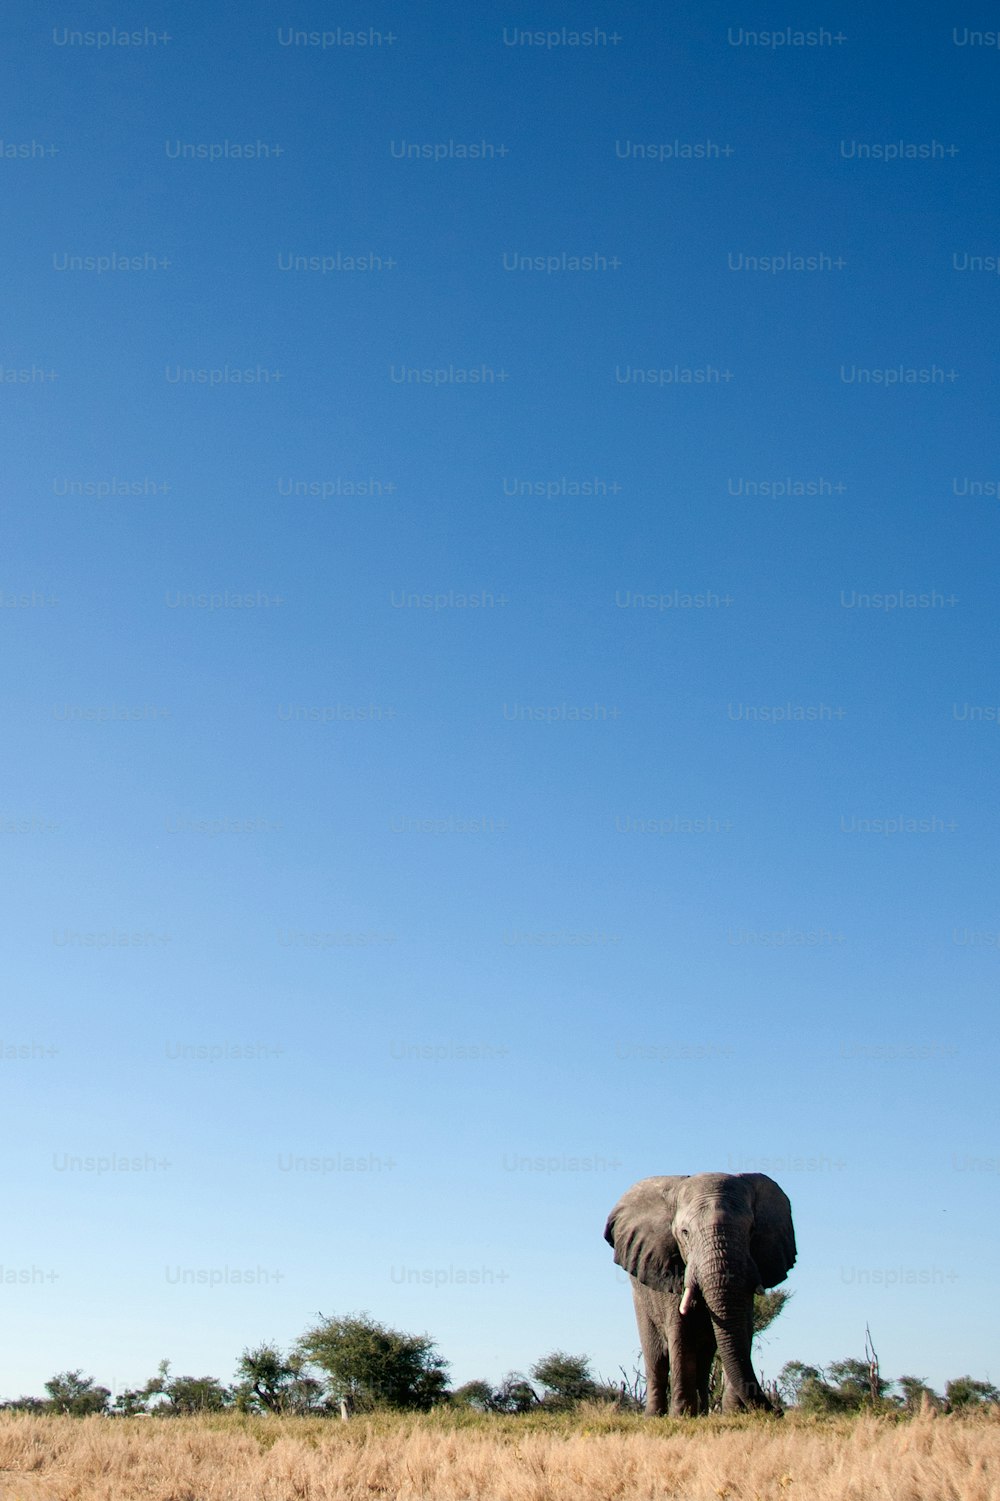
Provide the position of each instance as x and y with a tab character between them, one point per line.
594	1458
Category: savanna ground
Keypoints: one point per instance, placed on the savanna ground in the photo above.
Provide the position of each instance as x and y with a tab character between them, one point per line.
595	1455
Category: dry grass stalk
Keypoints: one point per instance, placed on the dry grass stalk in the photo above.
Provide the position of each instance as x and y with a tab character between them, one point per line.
596	1458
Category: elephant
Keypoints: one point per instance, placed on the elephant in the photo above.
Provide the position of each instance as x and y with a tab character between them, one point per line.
696	1249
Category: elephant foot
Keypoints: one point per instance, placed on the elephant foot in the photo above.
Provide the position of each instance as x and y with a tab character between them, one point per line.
748	1404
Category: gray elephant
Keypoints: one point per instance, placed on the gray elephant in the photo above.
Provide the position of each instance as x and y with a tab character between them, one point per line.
696	1250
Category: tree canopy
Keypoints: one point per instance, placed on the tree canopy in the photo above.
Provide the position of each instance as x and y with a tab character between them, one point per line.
567	1377
372	1364
271	1382
72	1392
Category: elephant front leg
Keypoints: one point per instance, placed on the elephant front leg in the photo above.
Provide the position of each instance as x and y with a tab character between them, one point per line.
655	1357
657	1383
744	1394
750	1398
692	1345
705	1354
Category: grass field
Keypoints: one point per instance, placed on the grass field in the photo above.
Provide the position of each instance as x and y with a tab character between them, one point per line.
594	1456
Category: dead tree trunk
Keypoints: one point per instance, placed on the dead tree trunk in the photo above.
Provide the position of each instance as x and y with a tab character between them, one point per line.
874	1380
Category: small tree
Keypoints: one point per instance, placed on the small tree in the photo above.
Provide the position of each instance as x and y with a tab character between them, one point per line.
272	1383
858	1383
130	1403
567	1378
157	1385
845	1386
186	1394
631	1389
965	1392
478	1395
816	1395
767	1306
72	1392
915	1394
370	1364
792	1377
515	1394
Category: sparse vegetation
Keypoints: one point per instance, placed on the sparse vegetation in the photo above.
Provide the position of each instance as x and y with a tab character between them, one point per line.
269	1436
568	1380
374	1368
845	1386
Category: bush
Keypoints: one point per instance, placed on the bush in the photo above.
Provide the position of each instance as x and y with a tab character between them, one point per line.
369	1364
72	1392
567	1378
514	1394
271	1383
965	1392
478	1395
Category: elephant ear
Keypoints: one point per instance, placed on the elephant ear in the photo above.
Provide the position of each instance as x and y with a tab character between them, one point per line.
772	1240
640	1228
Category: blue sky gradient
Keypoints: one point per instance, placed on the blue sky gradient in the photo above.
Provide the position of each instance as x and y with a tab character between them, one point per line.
613	828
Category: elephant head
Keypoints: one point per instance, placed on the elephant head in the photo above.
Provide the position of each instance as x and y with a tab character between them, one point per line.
708	1241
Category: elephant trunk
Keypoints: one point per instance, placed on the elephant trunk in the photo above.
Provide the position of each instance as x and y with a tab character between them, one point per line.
726	1280
725	1276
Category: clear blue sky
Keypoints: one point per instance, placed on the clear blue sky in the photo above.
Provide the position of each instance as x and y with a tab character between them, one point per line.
362	836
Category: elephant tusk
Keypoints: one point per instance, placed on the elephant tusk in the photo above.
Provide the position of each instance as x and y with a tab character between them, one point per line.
687	1299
